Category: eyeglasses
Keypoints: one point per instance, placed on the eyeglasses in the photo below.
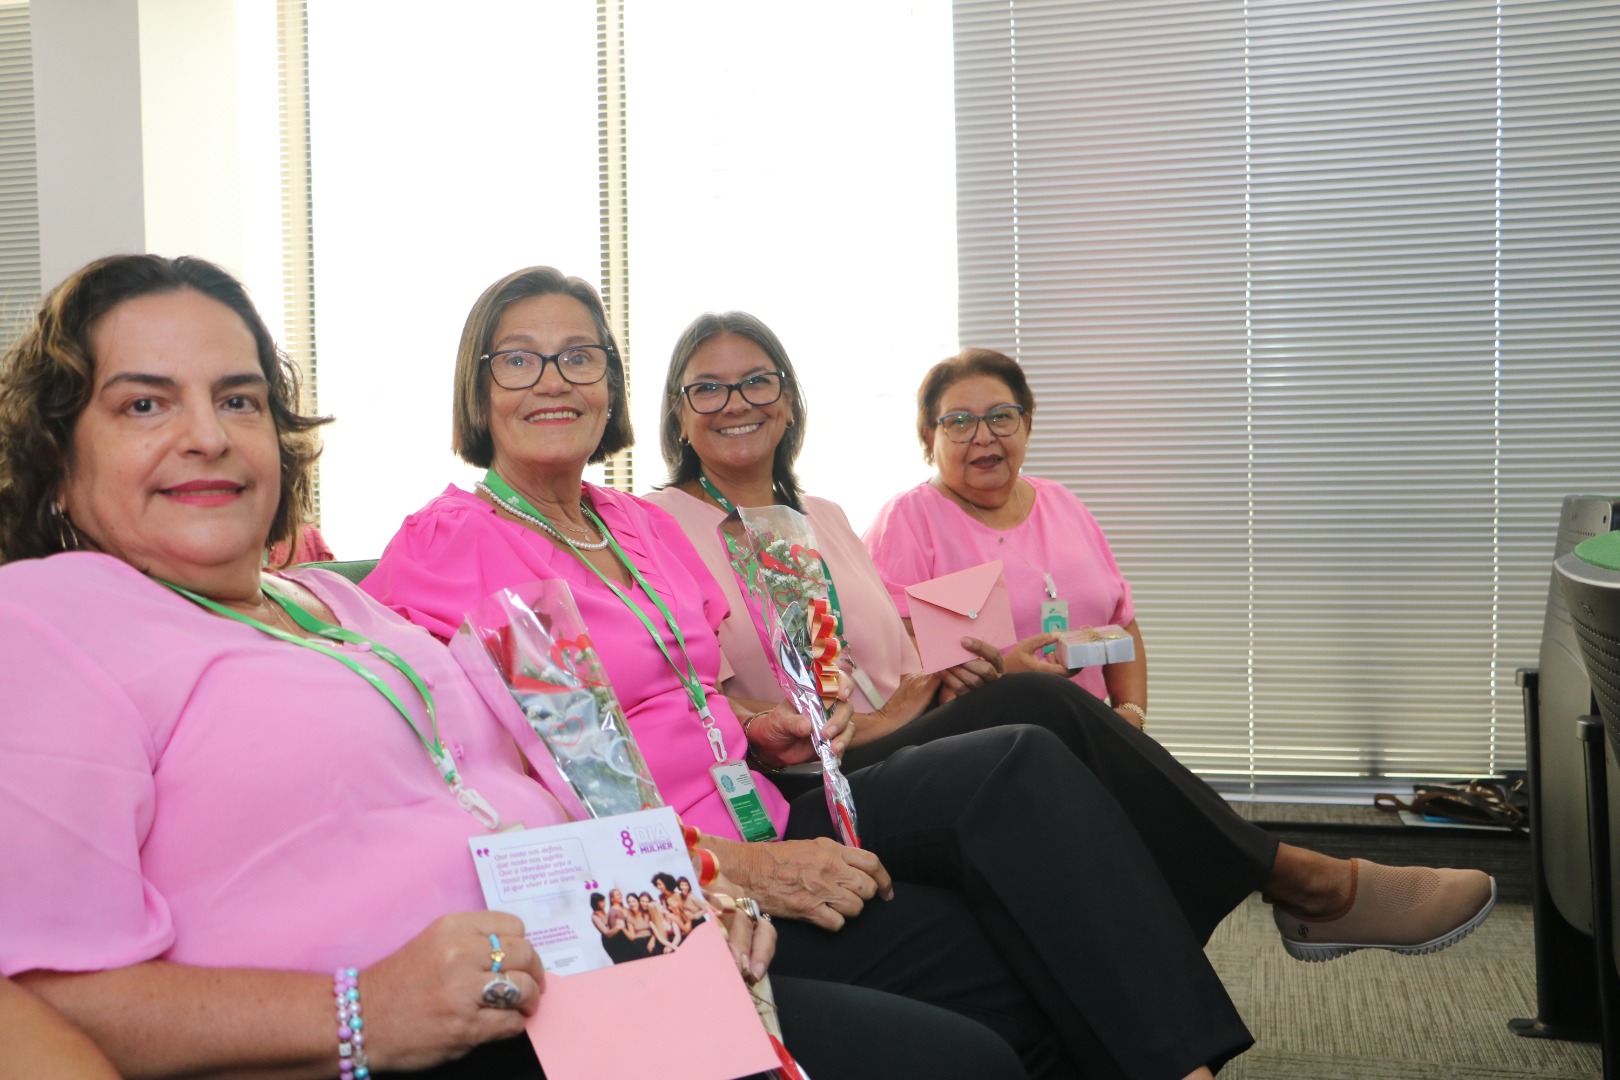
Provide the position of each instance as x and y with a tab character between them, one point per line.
963	426
711	397
519	369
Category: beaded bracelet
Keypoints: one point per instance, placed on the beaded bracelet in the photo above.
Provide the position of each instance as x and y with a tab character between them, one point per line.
351	1027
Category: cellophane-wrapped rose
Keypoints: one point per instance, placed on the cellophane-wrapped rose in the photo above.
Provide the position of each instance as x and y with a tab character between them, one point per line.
537	641
785	587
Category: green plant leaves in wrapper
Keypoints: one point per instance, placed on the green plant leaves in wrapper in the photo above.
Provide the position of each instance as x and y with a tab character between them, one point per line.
784	583
536	641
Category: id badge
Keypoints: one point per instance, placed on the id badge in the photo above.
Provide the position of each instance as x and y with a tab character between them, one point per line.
1054	616
736	787
868	687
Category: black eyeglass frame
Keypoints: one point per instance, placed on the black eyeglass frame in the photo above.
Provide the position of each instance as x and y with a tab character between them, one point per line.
973	433
488	359
783	379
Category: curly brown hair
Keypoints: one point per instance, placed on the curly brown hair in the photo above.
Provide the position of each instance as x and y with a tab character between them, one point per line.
48	374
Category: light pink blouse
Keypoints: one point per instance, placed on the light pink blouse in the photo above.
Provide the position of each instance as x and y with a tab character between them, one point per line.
877	638
175	785
921	534
457	550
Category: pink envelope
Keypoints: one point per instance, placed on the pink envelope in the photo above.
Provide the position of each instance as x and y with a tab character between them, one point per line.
683	1016
968	603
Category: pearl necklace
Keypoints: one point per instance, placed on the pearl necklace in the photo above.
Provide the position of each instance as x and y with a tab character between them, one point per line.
542	523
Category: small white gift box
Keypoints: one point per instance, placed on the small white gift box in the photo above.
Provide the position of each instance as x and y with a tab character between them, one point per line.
1094	646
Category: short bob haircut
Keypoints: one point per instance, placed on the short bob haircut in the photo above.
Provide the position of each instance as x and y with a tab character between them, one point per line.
964	365
681	459
47	378
470	437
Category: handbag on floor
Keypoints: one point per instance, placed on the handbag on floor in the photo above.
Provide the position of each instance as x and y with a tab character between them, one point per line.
1477	802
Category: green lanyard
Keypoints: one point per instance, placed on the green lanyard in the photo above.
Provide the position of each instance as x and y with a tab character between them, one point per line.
467	798
832	590
688	675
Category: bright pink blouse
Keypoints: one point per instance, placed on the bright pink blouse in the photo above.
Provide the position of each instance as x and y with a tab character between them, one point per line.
921	534
457	550
176	785
876	636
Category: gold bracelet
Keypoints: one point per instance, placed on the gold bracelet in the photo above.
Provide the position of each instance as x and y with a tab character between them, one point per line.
1141	713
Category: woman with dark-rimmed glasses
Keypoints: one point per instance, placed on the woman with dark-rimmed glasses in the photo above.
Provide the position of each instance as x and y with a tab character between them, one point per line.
975	411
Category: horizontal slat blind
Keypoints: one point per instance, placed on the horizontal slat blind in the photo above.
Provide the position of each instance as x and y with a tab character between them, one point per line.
1560	290
1304	294
1372	256
19	201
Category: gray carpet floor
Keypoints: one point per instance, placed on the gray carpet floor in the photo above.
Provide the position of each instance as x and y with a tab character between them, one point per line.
1376	1015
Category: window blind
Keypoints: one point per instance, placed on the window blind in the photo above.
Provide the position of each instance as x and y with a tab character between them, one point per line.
19	199
1319	302
297	212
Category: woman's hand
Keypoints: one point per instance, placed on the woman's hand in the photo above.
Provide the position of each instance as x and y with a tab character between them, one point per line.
782	735
425	1003
971	675
753	943
818	881
913	697
1026	656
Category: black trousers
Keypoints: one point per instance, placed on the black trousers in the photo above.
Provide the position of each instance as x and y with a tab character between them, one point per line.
835	1032
1210	857
1055	882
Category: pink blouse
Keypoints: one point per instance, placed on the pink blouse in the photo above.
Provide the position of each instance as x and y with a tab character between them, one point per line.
877	638
457	550
175	785
921	534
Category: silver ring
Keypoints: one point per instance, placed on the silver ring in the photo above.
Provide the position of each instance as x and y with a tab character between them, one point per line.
501	992
750	907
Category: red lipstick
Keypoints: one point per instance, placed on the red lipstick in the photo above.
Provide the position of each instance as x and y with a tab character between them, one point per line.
204	492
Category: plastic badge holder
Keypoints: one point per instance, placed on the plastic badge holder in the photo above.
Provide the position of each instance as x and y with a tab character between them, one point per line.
1095	646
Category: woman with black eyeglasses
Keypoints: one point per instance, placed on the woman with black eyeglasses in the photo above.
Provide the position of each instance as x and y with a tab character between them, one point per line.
974	414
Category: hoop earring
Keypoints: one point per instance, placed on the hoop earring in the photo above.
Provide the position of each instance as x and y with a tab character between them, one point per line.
66	535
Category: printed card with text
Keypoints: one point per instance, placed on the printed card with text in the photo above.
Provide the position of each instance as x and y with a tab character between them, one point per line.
594	893
593	896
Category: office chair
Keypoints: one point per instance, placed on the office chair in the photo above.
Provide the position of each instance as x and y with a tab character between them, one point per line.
1557	694
1590	579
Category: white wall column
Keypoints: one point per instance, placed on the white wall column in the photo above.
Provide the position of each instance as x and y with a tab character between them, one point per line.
87	123
158	130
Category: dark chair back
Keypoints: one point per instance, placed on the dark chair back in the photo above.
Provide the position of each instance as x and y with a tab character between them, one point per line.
354	569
